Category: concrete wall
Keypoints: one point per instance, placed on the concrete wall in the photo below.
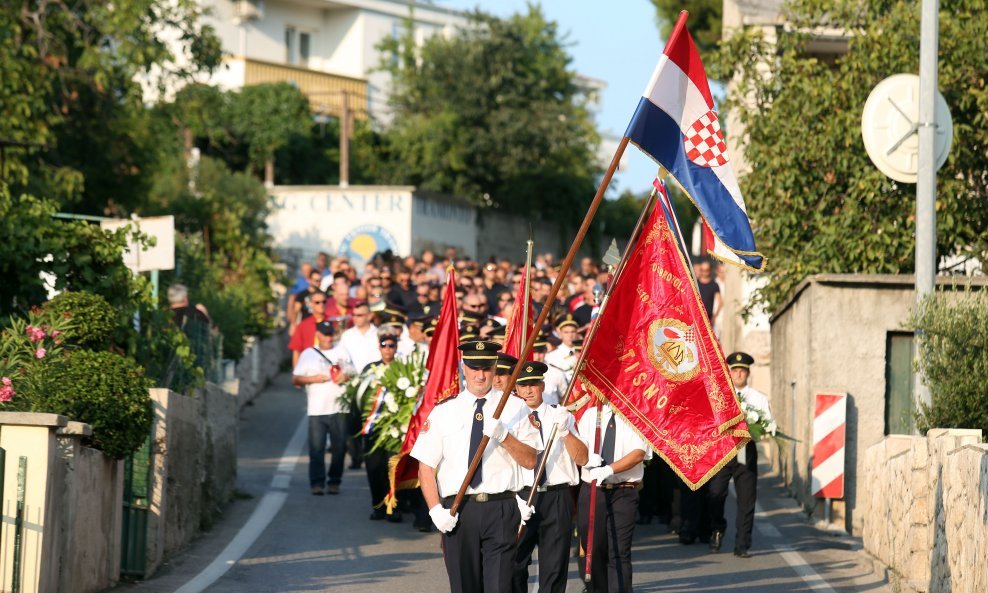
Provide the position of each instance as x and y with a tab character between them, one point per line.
925	514
91	514
830	337
31	436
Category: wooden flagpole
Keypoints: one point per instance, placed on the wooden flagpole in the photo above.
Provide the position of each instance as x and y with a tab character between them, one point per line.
539	470
526	352
528	289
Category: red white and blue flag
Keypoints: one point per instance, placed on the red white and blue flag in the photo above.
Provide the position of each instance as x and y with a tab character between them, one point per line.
676	125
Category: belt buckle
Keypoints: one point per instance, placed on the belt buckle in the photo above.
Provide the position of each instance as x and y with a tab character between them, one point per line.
482	497
543	488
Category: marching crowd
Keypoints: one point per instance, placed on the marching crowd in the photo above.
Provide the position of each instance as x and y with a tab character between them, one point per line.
359	345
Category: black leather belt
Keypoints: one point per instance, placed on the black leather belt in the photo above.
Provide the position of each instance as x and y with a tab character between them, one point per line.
554	487
620	485
482	497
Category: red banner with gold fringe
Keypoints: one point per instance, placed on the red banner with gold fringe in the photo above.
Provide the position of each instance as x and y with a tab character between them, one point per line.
442	382
657	362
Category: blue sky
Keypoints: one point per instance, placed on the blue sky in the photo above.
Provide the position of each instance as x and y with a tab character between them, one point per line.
617	42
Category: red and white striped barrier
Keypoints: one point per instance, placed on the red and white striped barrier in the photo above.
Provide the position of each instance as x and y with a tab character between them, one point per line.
829	421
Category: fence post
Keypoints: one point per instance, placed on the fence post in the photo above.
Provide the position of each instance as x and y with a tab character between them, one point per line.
15	586
3	455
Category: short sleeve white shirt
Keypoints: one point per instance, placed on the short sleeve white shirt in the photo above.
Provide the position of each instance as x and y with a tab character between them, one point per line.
626	440
322	398
444	444
560	467
756	398
362	348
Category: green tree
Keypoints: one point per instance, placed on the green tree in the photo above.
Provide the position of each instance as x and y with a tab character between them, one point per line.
817	203
265	117
704	22
954	359
492	113
71	91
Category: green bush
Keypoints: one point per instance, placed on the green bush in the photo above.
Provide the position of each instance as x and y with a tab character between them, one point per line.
95	320
954	359
105	390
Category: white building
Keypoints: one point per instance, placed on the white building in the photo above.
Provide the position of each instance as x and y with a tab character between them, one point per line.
328	48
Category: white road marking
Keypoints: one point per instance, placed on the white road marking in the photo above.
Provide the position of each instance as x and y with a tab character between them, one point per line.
794	559
259	519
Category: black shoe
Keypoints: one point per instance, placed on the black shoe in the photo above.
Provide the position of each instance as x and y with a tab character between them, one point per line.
395	517
716	539
423	527
686	540
378	515
741	553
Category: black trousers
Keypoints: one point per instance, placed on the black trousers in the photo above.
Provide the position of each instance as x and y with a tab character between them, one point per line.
551	529
745	482
480	552
614	527
376	464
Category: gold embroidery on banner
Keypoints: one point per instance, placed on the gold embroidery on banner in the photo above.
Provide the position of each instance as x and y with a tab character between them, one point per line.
672	349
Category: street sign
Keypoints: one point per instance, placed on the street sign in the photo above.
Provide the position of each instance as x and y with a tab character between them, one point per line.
159	257
829	423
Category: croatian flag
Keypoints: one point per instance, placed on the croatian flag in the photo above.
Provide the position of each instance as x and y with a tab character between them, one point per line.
676	125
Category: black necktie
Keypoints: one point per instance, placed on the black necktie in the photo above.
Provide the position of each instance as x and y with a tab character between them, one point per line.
607	450
538	458
476	434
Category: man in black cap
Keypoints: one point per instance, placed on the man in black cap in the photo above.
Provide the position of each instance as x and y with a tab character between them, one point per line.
503	369
323	369
478	543
743	468
551	527
562	361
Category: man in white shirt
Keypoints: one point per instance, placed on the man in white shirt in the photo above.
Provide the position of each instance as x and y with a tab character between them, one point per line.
323	369
562	361
617	469
360	341
479	542
551	527
743	469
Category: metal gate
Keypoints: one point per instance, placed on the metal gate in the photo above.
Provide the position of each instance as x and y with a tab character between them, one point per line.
136	494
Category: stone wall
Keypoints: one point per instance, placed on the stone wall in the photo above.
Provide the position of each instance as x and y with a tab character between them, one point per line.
91	514
194	461
262	361
926	512
831	337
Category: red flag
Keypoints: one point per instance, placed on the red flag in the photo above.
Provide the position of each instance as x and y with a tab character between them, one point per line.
659	365
442	381
512	338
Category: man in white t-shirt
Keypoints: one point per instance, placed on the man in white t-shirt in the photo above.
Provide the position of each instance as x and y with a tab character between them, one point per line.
360	341
323	369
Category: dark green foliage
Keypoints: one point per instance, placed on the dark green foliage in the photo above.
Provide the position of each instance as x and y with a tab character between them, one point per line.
95	320
817	203
105	390
954	359
492	113
704	22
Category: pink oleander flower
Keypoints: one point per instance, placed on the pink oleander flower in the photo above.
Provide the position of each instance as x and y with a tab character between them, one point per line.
36	333
7	392
55	333
5	381
40	353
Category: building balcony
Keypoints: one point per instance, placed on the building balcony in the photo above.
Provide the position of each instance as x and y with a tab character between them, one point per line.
326	92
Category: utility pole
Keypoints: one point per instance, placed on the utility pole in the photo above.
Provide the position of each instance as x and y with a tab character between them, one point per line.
926	183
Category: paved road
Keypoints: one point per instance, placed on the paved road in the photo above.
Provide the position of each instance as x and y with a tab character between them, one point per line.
326	543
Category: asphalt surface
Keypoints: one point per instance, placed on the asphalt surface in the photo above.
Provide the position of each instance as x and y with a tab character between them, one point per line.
327	543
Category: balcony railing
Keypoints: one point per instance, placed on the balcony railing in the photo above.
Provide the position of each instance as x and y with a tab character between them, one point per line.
326	92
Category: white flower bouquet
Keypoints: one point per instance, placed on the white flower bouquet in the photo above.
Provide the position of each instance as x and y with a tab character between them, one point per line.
402	382
762	426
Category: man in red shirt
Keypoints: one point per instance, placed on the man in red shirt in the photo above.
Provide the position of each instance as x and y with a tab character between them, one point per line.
305	333
340	304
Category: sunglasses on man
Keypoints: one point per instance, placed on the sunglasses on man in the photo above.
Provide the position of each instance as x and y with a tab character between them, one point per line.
389	344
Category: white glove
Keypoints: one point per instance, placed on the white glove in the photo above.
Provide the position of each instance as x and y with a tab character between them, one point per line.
444	521
525	510
599	474
593	461
563	419
495	429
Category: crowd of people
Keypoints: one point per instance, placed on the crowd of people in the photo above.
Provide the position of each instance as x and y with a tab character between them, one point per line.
350	332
